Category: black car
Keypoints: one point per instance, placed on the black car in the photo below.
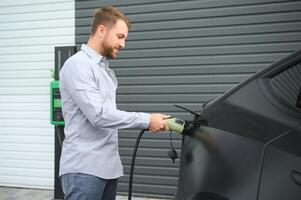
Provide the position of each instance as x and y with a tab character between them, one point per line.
251	147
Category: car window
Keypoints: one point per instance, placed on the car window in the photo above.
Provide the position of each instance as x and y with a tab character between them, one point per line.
287	86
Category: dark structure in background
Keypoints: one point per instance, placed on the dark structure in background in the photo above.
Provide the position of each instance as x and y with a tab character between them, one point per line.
187	53
61	55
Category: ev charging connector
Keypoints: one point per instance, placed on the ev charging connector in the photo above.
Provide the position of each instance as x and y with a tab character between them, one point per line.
175	124
186	127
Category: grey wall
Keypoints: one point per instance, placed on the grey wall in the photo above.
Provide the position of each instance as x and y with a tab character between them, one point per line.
187	53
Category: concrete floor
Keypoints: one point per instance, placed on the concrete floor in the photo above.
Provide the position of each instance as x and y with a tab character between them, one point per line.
10	193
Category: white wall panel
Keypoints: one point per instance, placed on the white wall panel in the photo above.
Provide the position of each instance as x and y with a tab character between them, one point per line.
29	31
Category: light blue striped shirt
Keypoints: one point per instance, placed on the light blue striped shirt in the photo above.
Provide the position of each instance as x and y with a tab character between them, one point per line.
88	91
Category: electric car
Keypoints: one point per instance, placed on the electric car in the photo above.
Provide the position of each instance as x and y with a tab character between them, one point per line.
250	148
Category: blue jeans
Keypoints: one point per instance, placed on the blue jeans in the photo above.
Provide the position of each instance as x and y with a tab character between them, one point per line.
78	186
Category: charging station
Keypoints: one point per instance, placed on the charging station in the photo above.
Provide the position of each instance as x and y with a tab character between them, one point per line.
56	115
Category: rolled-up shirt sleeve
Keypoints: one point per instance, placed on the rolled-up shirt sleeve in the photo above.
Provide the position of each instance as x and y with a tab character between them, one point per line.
78	79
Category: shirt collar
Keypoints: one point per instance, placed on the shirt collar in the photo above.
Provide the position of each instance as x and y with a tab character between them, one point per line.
92	53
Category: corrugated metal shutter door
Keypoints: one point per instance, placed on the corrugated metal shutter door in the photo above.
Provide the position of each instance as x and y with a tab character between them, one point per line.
29	31
187	53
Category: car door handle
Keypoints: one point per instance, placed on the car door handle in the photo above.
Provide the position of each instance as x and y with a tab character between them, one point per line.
296	176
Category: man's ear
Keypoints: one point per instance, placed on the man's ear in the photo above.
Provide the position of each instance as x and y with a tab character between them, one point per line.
101	29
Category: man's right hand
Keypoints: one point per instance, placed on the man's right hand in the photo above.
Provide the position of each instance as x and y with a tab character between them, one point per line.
158	122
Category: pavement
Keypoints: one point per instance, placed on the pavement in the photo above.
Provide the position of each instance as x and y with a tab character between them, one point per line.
11	193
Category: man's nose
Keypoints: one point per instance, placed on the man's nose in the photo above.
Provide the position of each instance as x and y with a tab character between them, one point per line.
122	44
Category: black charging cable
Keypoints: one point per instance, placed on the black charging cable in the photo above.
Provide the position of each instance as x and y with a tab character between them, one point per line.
133	164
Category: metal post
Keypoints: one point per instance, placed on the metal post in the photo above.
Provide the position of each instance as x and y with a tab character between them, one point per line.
61	55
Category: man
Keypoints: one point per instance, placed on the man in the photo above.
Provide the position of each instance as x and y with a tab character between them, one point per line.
90	164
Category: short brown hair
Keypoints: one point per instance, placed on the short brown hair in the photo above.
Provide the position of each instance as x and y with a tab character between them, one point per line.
108	16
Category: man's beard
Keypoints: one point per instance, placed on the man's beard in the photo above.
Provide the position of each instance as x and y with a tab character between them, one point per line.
108	51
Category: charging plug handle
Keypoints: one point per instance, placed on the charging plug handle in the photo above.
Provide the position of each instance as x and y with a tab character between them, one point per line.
176	124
